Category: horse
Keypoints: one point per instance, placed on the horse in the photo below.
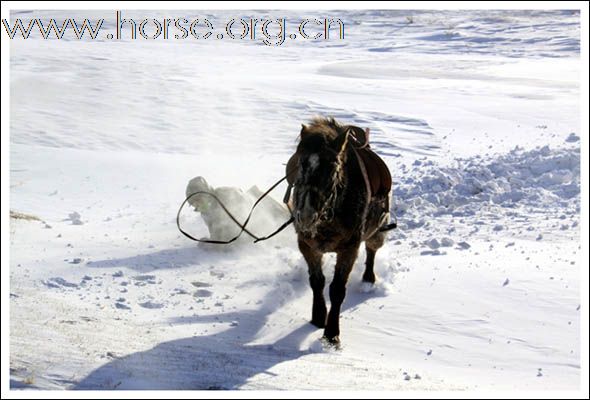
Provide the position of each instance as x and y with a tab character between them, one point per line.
341	194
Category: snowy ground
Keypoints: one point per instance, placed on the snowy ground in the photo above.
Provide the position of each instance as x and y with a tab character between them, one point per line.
476	114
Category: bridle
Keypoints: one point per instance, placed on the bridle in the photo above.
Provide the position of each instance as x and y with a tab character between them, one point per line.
326	212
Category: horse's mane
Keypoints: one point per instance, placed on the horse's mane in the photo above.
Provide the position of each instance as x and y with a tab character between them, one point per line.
327	127
330	129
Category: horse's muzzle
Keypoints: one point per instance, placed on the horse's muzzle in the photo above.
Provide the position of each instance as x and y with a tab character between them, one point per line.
306	219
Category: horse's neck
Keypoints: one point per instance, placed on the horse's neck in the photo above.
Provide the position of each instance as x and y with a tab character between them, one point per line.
353	188
353	176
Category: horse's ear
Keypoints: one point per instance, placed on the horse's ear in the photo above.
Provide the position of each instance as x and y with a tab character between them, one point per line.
303	131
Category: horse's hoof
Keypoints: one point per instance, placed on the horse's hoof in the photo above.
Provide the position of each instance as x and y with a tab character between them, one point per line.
331	342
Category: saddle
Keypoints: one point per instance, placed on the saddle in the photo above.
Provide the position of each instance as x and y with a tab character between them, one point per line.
379	177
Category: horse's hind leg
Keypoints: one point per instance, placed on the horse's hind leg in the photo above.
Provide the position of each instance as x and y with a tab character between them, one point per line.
372	245
317	282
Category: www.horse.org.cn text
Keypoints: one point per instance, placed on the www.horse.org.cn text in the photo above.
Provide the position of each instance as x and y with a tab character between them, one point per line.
270	31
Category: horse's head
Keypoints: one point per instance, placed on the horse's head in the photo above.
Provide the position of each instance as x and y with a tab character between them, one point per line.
322	154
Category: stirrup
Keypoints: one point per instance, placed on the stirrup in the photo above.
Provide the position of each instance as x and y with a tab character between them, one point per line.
388	227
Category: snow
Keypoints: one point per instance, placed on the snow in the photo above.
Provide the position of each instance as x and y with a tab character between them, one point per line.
475	112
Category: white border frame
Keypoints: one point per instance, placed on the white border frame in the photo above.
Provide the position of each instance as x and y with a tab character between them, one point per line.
309	5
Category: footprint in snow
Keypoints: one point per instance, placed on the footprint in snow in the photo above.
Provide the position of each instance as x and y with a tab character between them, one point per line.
74	218
151	305
463	245
59	282
200	284
122	306
142	279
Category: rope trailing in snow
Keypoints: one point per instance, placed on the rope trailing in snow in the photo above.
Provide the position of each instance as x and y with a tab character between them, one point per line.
233	218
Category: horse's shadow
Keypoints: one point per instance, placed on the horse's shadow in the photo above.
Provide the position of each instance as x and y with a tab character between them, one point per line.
170	258
218	361
223	360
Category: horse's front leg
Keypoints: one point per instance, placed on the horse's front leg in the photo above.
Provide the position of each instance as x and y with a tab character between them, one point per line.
317	281
344	262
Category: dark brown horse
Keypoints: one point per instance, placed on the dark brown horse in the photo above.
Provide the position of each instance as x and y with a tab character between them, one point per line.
341	195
